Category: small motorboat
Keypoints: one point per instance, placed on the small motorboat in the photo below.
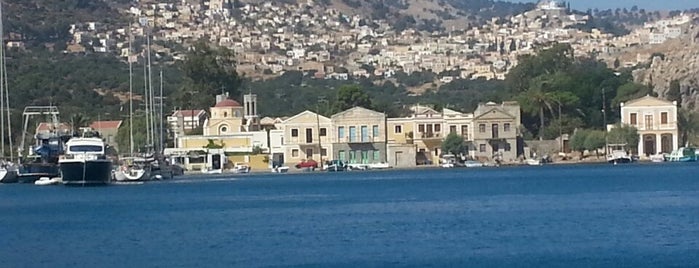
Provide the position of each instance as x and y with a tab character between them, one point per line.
472	164
280	169
533	162
241	168
48	181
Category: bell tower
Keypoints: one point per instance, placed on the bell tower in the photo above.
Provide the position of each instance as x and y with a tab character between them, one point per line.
252	120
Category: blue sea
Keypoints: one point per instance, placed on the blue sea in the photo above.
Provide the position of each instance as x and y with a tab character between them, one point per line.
638	215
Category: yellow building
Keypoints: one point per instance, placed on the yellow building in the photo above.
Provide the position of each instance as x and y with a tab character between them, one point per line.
306	136
230	127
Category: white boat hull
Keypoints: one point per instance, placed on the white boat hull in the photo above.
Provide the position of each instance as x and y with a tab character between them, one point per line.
48	181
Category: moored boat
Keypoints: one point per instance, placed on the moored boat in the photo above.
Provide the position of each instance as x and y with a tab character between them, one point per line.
85	162
683	154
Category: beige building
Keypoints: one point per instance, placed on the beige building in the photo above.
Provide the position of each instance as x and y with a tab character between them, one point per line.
360	136
656	121
496	131
306	136
426	128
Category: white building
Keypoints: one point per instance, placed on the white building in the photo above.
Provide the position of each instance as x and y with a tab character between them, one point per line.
656	121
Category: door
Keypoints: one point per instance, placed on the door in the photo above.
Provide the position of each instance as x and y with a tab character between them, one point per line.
398	156
216	161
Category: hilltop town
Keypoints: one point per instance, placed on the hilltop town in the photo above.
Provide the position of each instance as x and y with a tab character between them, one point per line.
271	38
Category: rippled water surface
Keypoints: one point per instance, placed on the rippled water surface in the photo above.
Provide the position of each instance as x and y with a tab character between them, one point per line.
565	216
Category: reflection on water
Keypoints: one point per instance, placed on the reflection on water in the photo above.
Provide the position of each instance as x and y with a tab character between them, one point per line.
600	215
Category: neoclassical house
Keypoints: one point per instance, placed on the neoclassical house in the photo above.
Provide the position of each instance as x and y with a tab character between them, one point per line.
656	121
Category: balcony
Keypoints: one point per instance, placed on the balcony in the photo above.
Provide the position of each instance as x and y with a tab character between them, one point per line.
430	135
366	139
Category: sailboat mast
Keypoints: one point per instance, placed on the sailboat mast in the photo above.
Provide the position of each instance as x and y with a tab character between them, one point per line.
130	92
150	92
162	145
145	100
2	84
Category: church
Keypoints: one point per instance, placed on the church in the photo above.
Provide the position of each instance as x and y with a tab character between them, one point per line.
232	133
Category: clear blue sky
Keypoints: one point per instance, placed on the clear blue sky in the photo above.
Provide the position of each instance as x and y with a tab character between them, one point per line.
646	4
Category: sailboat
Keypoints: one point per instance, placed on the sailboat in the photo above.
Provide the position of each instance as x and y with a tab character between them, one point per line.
151	166
8	169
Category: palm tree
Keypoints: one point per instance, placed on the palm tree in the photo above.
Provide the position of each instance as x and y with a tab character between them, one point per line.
77	121
688	123
536	100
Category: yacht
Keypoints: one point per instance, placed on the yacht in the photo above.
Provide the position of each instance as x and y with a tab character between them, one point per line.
8	172
85	162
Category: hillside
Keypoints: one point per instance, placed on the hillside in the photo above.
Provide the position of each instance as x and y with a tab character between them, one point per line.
48	21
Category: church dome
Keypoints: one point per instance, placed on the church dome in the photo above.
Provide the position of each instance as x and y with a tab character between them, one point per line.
227	103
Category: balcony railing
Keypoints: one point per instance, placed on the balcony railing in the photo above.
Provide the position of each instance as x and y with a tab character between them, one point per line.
430	135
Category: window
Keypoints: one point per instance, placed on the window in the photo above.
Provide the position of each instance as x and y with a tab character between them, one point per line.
295	153
663	118
352	134
225	114
341	155
375	131
398	129
365	133
309	153
323	132
464	130
495	133
223	129
294	132
507	147
436	151
365	157
309	135
481	128
323	152
452	129
377	155
649	121
482	148
340	133
437	128
85	148
421	128
633	120
506	127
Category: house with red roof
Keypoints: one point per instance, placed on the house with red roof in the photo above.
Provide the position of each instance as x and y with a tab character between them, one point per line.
108	130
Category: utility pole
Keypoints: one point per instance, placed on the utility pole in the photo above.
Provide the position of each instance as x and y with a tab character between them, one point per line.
320	147
604	120
160	117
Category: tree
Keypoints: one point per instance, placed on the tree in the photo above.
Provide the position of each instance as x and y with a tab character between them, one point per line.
454	144
674	93
577	142
209	71
624	134
594	140
616	63
77	121
688	123
212	145
139	137
349	96
536	100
